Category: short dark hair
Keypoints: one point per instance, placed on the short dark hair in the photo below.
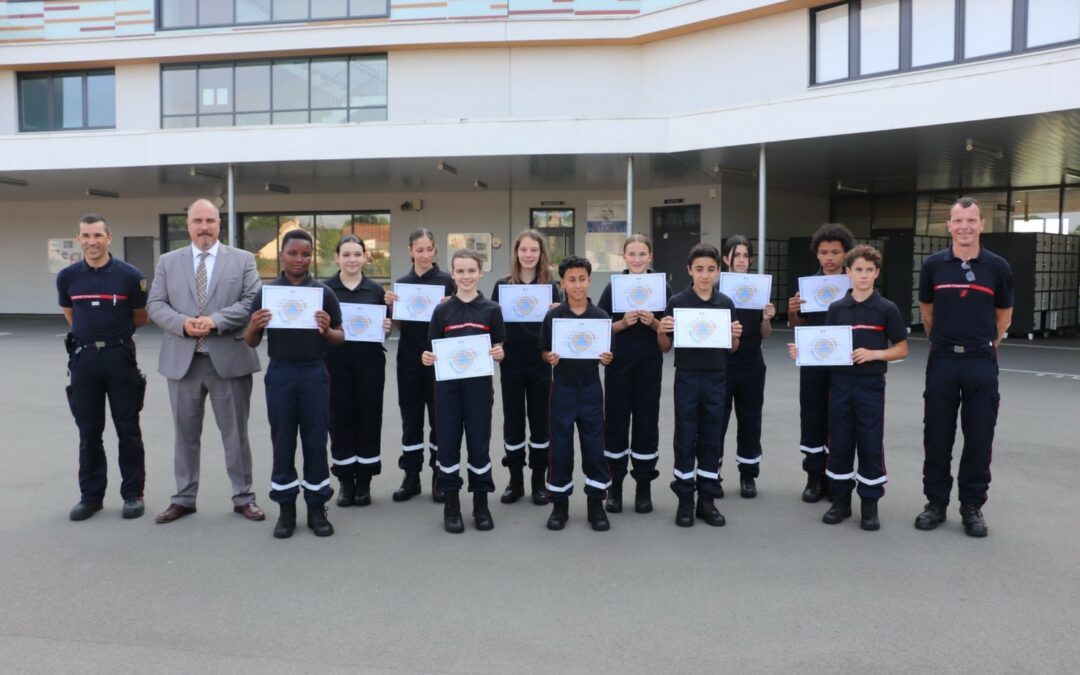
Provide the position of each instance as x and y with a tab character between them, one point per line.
296	234
573	262
867	253
702	250
95	218
832	232
966	203
468	254
350	239
735	241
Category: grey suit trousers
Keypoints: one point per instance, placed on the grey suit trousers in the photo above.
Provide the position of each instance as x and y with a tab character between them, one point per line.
230	399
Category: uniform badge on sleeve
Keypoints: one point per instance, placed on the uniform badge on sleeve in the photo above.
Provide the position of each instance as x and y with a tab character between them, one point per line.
142	285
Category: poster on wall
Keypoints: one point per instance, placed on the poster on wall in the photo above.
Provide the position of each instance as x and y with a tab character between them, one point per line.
60	253
552	218
604	251
472	241
606	216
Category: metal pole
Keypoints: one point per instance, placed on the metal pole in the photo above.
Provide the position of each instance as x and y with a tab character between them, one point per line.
629	194
761	211
231	197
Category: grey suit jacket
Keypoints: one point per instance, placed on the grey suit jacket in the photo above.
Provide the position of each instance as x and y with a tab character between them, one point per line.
173	298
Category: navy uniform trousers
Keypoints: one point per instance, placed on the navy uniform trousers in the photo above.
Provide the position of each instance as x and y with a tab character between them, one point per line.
857	419
699	443
580	401
526	381
464	405
744	392
357	381
967	383
632	414
814	418
96	374
416	391
298	398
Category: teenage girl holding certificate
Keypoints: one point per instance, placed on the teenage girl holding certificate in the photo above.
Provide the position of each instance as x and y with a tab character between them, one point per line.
525	377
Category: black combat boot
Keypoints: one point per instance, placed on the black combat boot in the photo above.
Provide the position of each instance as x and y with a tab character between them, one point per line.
480	513
560	513
684	514
614	497
286	522
597	517
362	495
643	497
815	488
452	513
515	490
410	487
317	522
539	487
706	510
347	491
840	509
869	519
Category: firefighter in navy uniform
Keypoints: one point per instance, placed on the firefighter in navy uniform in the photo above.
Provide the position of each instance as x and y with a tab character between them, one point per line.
966	298
104	300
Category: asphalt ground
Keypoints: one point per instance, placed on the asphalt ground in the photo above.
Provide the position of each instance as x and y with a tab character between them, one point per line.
392	592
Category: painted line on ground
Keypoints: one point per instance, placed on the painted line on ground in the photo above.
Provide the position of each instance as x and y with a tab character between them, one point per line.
1037	373
915	338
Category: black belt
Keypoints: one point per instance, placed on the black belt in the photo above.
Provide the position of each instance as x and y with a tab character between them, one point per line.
962	349
202	353
102	344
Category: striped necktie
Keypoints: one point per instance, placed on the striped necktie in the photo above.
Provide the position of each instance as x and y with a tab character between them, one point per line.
200	289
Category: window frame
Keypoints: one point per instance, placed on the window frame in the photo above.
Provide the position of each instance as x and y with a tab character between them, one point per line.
159	26
53	117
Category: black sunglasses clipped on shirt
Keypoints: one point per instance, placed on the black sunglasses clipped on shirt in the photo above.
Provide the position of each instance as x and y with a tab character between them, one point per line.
968	273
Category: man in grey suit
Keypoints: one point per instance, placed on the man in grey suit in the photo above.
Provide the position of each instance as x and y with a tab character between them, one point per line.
201	297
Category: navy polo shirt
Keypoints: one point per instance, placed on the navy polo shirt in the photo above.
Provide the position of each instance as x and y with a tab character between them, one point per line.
570	367
875	322
637	339
300	344
457	318
101	299
749	352
415	333
367	292
963	308
700	359
522	336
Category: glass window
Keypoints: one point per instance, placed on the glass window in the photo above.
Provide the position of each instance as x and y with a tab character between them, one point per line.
178	13
329	9
253	87
894	212
215	12
179	122
69	101
831	44
368	8
879	36
290	85
367	82
176	234
329	229
374	229
260	238
216	120
101	100
329	83
249	119
933	32
215	89
298	117
58	101
357	115
1052	21
252	11
287	10
340	116
34	103
995	209
178	91
1035	211
1070	216
987	28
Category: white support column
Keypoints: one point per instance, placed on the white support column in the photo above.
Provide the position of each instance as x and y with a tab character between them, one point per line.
761	211
231	197
629	194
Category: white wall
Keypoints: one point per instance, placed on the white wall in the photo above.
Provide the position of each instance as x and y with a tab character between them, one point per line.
138	97
9	103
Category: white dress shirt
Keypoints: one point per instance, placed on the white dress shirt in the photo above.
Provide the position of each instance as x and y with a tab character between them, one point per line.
209	260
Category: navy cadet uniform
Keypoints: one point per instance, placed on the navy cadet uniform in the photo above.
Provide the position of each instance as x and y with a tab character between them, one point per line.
298	397
416	382
525	381
101	363
357	379
467	402
632	383
857	396
744	391
962	367
814	409
699	405
577	397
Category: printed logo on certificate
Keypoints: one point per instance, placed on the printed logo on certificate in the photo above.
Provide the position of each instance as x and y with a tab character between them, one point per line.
580	338
631	292
747	291
822	290
416	302
702	328
292	306
823	345
460	358
524	303
363	323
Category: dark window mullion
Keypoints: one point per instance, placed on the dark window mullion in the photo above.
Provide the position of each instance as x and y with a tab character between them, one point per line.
854	39
958	52
906	36
1019	35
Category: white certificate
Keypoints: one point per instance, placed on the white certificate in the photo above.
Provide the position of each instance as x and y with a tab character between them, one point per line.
702	328
822	290
363	323
748	291
293	306
638	291
524	303
459	358
580	338
416	302
823	345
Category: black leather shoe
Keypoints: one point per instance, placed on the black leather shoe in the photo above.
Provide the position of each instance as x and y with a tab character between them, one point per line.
932	516
286	522
347	491
410	487
643	497
133	508
597	517
684	514
452	513
614	497
839	511
747	487
815	488
317	522
436	496
362	496
869	520
480	512
84	510
706	510
515	490
972	518
539	488
560	513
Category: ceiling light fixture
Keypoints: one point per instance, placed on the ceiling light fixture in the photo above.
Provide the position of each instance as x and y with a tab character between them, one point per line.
273	187
732	170
971	146
448	168
17	182
93	192
480	184
1069	172
197	172
843	187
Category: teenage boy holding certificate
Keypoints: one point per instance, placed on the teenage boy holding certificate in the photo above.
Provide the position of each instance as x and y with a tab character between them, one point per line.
298	390
465	404
857	392
577	398
699	393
